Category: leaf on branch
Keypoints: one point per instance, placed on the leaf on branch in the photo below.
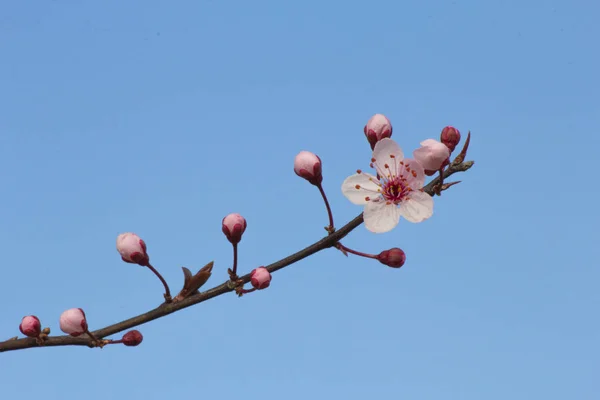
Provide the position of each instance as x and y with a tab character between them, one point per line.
463	153
449	184
191	283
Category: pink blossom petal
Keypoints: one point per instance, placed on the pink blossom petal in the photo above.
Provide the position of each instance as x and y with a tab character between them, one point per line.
387	152
73	322
418	207
432	154
413	172
368	187
260	278
381	217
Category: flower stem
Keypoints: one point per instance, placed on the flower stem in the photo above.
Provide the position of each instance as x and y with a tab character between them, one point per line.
240	291
329	229
233	271
358	253
94	338
168	298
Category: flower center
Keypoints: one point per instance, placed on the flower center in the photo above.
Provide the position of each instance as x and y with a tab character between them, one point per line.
395	189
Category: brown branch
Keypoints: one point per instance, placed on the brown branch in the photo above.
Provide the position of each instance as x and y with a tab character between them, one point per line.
168	308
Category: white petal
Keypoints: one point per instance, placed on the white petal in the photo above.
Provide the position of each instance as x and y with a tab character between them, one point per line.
416	180
381	217
367	188
387	152
418	207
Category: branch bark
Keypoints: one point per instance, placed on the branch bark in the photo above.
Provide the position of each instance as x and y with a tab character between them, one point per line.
169	308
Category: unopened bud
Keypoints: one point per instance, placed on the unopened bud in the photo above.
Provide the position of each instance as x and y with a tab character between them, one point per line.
431	155
30	326
260	278
132	249
377	128
73	322
450	137
393	257
233	226
132	338
307	165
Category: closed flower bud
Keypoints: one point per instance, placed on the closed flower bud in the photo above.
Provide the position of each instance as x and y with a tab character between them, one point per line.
260	278
431	155
73	322
307	165
450	137
233	226
377	128
132	249
30	326
393	257
132	338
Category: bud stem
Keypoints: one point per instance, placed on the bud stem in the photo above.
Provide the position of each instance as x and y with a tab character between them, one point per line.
240	291
340	246
167	295
233	271
330	228
94	338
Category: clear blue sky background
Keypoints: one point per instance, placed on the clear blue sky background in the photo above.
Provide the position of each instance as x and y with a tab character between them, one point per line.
161	117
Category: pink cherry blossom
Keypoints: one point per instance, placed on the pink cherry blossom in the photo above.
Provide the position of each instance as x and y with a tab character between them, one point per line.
450	136
260	278
377	128
30	326
432	154
307	165
393	257
132	249
73	322
234	226
132	338
397	191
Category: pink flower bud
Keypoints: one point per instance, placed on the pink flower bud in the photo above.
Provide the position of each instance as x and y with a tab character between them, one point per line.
30	326
393	257
73	322
132	249
307	165
450	137
377	128
432	154
132	338
260	278
234	226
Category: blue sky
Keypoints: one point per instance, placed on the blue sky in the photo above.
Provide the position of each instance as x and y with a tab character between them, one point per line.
162	117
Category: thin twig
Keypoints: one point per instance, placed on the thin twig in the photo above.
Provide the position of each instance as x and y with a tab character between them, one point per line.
169	308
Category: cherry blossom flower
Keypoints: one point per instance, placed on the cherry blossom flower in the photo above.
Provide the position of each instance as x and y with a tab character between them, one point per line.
450	136
432	154
307	165
395	192
132	249
234	226
73	322
260	278
132	338
377	128
394	257
30	326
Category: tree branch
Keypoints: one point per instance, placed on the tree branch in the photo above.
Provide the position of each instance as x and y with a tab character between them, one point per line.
168	308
